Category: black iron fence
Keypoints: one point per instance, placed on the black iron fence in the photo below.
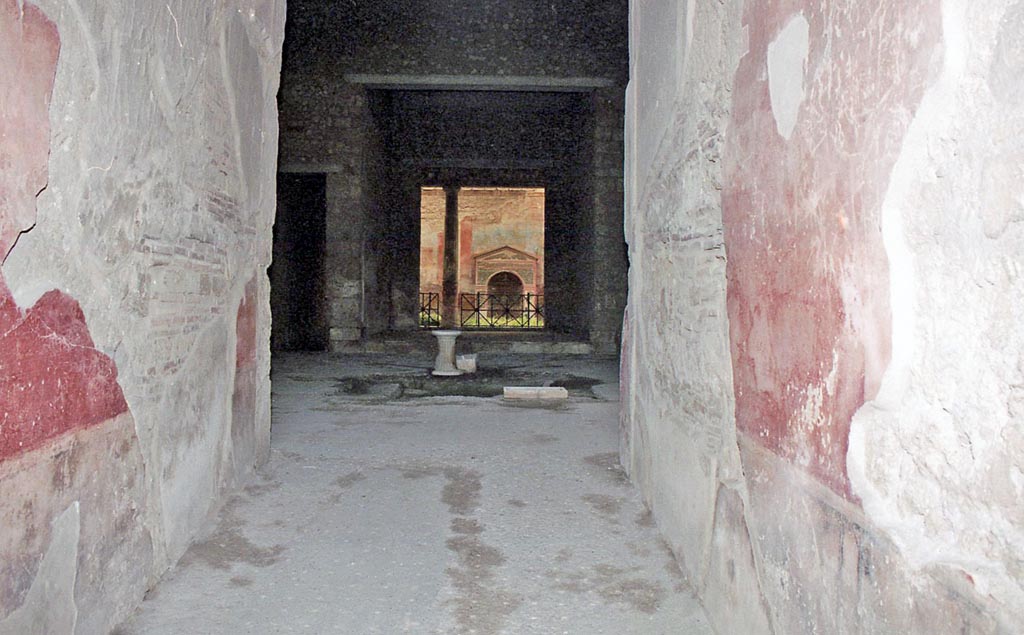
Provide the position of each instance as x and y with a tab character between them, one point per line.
487	311
430	310
499	311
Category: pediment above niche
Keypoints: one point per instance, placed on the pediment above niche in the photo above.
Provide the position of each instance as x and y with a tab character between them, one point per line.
505	253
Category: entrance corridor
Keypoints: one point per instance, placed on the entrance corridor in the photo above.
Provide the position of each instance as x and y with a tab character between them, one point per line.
398	503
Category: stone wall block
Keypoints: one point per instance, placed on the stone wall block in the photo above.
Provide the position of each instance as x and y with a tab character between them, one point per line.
732	592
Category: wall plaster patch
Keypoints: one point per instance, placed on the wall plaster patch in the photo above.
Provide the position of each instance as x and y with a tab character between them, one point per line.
787	61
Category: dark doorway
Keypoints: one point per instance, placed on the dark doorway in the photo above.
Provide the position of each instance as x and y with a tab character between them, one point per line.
297	291
482	140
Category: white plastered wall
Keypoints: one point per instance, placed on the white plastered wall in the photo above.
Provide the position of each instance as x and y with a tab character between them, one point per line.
938	456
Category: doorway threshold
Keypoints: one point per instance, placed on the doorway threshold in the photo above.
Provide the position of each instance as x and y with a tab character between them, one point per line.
471	341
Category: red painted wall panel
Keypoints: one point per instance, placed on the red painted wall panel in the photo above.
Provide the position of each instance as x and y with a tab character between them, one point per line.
807	272
52	378
245	327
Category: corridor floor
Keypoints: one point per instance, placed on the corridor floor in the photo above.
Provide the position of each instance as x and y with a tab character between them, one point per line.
388	508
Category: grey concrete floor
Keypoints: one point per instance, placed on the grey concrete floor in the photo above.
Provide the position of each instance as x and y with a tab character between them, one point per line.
386	510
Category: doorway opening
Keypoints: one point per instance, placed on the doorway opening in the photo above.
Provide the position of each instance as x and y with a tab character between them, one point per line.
496	259
297	277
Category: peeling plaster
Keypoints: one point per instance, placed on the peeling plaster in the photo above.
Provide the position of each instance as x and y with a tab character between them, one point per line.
29	45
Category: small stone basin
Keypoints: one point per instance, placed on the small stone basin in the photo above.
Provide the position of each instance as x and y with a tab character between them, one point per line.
444	363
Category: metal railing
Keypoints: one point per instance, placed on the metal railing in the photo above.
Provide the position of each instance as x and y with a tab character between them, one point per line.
430	310
499	311
487	311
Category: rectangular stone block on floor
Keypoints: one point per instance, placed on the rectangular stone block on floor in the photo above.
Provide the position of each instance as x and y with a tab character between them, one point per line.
539	393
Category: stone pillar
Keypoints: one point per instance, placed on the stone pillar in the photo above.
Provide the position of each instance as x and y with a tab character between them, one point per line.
608	283
345	221
450	278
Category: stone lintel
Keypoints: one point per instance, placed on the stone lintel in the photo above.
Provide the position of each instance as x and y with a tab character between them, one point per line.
481	82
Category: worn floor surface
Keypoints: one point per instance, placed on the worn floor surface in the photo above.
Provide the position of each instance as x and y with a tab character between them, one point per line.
386	510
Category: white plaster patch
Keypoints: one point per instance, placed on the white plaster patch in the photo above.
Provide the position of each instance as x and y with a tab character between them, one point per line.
787	62
944	408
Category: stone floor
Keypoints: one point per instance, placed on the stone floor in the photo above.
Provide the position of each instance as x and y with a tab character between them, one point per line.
393	504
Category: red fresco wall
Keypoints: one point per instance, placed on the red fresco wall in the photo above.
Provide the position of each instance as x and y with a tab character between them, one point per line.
245	328
52	378
489	218
243	397
807	271
465	250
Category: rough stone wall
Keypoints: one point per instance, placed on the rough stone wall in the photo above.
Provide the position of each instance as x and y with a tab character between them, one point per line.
329	130
582	38
144	267
344	257
323	124
820	366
